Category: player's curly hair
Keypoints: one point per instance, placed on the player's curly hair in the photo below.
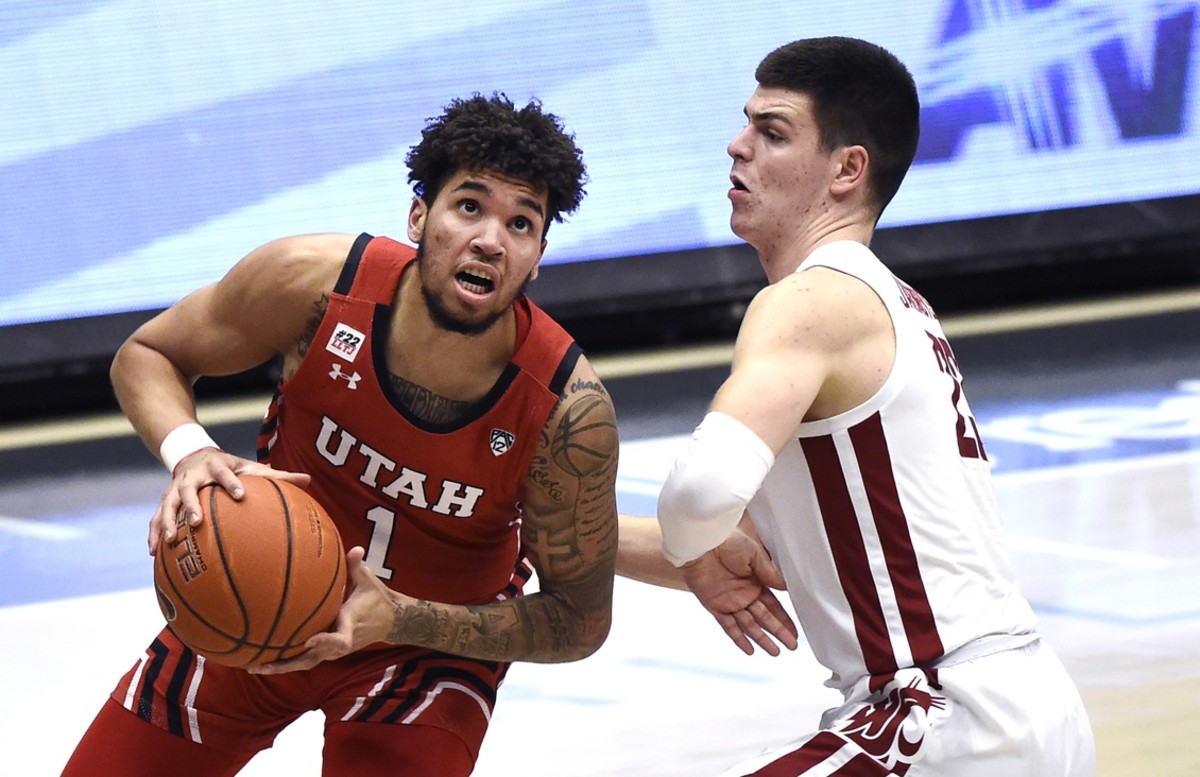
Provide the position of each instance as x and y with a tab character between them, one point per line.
490	134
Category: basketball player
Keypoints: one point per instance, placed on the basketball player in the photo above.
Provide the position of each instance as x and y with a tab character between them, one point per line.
450	427
843	432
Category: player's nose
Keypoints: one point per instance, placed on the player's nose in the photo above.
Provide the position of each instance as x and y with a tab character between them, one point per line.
489	239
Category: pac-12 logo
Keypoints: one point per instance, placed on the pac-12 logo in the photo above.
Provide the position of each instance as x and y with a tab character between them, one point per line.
1051	69
345	342
501	441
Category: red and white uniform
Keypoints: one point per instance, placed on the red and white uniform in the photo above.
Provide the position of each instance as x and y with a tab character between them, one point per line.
437	507
884	522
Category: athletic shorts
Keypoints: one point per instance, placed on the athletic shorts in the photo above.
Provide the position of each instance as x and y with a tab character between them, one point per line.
1014	712
234	711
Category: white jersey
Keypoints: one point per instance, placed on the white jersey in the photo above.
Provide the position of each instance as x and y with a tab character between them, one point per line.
883	519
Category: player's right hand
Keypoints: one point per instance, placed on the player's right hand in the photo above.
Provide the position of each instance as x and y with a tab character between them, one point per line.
181	502
733	581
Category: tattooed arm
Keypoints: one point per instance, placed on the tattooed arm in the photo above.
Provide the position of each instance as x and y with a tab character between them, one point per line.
569	529
570	523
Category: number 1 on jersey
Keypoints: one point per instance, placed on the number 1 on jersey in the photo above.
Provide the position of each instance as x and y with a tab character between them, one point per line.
384	521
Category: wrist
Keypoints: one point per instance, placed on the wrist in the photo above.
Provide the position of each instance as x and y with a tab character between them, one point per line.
183	441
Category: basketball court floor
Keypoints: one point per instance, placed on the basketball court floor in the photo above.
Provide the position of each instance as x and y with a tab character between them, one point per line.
1091	414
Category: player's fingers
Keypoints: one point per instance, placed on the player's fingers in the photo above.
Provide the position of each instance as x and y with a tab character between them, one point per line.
227	479
323	646
754	631
160	528
766	571
189	504
164	523
775	620
359	572
735	633
301	479
298	664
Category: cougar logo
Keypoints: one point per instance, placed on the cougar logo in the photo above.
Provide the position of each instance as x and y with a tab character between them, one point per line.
352	380
501	441
345	342
884	729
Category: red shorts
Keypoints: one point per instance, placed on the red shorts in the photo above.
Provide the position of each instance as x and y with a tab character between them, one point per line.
234	711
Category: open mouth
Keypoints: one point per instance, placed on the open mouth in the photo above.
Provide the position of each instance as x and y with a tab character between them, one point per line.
737	183
475	283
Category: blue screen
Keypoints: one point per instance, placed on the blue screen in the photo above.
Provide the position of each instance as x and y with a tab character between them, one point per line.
146	146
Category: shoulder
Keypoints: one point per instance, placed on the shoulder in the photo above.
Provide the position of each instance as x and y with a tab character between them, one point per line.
277	289
814	306
583	386
581	431
303	252
300	265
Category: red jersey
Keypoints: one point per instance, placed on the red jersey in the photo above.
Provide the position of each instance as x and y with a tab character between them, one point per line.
436	506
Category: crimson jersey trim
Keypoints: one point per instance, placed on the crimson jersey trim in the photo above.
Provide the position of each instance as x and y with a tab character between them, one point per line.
841	520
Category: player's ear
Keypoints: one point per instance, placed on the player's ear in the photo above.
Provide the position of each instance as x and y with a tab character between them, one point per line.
538	266
416	219
851	173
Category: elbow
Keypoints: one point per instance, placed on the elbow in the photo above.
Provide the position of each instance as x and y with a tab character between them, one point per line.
589	638
709	486
593	635
696	517
117	368
584	630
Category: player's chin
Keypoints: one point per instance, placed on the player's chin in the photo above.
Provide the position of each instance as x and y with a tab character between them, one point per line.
473	320
739	225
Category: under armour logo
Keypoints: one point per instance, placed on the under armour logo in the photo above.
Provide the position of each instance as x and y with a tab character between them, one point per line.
353	380
501	441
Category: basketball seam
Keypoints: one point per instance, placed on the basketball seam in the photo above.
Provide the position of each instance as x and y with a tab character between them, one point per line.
281	605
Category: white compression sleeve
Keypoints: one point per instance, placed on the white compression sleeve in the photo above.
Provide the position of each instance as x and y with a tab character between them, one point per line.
709	486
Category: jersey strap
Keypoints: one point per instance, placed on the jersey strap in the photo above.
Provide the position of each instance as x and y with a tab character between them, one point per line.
373	268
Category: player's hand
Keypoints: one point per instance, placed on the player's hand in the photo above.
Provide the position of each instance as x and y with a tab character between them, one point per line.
733	581
181	503
366	617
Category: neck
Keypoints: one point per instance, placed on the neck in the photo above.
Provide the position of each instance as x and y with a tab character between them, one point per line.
780	259
455	366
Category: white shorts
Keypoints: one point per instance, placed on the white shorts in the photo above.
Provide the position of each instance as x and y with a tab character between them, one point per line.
1014	712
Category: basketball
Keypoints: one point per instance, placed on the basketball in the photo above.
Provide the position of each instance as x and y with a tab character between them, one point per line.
256	578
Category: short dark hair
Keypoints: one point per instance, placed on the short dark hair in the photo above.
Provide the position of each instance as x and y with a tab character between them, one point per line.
490	134
861	95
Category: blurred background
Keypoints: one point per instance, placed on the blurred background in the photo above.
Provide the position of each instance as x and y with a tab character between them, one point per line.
145	147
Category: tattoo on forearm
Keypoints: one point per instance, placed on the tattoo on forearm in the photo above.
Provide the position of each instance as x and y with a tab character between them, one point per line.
486	632
416	624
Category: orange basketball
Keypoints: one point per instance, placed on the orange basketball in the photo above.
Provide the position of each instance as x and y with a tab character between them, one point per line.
256	578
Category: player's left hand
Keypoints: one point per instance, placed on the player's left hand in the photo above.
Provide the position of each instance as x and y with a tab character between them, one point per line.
733	581
366	617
